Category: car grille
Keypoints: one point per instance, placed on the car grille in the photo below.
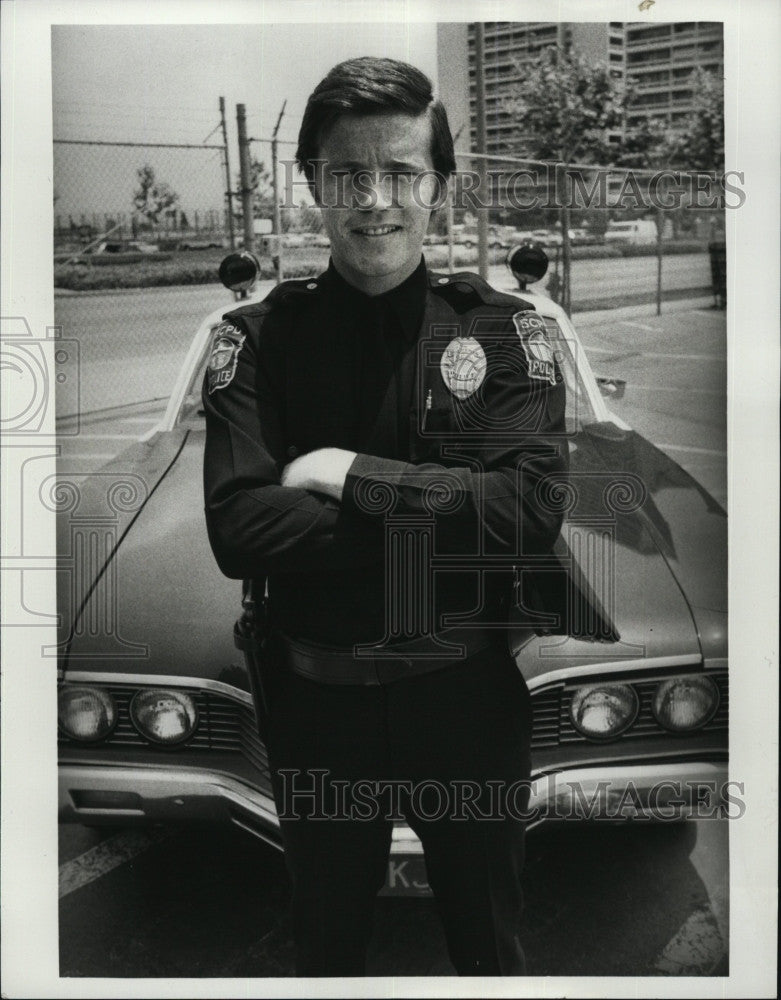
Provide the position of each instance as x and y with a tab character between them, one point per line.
553	726
223	724
228	725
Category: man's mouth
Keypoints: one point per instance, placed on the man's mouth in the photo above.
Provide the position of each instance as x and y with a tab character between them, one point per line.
376	230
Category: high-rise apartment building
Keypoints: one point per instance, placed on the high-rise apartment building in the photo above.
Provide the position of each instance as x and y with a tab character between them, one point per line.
660	58
656	58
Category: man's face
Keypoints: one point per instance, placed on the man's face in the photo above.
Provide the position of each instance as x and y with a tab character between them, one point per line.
374	210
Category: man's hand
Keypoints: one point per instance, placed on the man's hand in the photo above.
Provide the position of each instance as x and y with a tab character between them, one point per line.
323	471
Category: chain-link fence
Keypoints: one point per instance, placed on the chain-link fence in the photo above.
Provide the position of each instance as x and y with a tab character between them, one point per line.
612	234
132	191
134	216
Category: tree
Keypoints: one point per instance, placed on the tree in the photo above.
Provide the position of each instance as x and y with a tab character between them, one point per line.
696	144
566	107
262	192
699	145
153	198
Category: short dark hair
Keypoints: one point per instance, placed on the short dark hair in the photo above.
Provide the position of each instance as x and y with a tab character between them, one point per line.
366	86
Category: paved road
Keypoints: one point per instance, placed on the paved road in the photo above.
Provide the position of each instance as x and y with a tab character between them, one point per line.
212	903
131	343
675	368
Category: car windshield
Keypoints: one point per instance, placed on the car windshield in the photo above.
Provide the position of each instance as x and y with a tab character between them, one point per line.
579	409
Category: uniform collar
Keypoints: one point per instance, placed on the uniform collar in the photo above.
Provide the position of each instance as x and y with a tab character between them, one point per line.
406	301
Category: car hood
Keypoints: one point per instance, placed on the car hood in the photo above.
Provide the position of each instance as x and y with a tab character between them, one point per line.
647	545
148	615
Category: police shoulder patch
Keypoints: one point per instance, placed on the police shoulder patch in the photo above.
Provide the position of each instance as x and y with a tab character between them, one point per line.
228	340
530	327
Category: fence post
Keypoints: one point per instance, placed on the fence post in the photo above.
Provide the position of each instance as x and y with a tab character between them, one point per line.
659	230
228	191
449	223
482	164
277	218
565	217
246	176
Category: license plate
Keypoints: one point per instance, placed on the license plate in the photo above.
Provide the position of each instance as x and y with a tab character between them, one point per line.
406	876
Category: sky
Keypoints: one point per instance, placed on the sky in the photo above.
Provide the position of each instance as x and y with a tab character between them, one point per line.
162	83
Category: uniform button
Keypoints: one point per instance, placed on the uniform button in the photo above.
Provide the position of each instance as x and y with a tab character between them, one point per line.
292	451
311	285
443	281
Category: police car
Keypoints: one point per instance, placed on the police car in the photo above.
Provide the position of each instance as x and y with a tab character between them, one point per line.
156	715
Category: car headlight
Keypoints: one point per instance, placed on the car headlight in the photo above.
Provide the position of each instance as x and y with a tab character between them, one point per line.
684	703
601	711
85	713
163	715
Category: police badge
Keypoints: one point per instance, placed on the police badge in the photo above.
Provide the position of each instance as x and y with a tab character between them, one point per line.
227	343
530	327
463	366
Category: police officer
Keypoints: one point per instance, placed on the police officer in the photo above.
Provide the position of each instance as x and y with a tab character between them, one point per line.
378	442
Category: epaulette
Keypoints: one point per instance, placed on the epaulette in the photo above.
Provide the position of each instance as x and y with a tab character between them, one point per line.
468	283
283	293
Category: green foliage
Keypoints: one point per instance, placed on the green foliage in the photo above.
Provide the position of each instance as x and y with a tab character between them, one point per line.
699	145
565	106
153	198
200	269
303	219
646	146
262	192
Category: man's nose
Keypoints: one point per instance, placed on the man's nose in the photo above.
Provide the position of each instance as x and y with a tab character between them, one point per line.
373	190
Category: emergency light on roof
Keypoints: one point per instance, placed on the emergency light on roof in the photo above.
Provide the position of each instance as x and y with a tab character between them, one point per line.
239	271
528	262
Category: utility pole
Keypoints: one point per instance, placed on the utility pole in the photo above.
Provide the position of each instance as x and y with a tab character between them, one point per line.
482	163
562	190
449	209
228	191
246	176
277	219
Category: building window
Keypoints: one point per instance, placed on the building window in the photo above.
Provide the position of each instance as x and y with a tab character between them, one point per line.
658	55
646	34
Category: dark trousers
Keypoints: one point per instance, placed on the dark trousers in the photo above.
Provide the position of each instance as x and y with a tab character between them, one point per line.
455	732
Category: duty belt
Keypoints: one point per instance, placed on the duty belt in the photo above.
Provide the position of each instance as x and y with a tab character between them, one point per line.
383	664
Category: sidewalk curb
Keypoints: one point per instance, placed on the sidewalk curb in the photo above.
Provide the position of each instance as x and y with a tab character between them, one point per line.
583	316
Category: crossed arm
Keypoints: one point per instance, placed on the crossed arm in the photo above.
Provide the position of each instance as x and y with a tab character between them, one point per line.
266	515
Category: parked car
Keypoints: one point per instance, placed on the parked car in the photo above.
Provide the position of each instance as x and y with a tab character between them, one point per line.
546	237
123	247
636	232
468	238
581	237
203	243
156	715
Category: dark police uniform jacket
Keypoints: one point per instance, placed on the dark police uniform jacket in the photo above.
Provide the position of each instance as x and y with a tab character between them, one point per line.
464	450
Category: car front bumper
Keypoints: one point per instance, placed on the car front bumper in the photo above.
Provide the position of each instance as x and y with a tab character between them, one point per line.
126	796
